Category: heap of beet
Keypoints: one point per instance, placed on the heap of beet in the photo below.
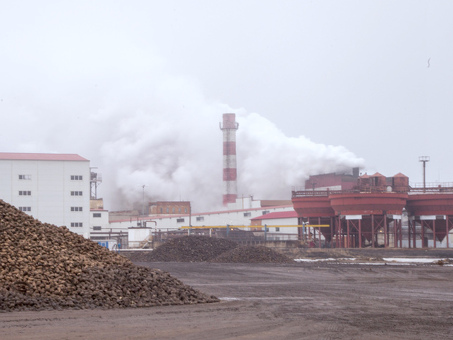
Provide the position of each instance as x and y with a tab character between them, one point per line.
208	249
252	254
190	249
47	267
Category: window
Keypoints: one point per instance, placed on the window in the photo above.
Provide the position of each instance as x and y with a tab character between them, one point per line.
76	177
24	193
247	214
27	177
97	227
76	208
179	220
277	228
96	214
25	208
200	218
76	193
265	212
76	224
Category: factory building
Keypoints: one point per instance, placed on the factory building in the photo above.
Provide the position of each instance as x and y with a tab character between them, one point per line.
280	225
53	188
333	181
378	211
125	230
169	208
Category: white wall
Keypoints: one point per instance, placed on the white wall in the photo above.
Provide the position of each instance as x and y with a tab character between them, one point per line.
96	221
50	185
218	218
282	233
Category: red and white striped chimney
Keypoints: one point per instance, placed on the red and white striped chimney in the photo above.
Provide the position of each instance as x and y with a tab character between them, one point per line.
229	128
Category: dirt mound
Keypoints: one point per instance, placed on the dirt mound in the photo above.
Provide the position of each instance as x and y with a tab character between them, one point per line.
47	267
190	249
252	254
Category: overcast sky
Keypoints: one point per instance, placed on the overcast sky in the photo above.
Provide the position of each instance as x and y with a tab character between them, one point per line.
139	88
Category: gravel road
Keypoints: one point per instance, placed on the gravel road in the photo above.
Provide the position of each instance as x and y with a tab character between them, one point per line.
270	301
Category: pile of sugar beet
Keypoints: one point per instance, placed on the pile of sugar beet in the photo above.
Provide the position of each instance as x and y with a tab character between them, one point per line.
43	266
196	248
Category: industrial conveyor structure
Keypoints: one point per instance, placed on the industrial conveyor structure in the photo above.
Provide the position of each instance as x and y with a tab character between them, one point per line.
379	212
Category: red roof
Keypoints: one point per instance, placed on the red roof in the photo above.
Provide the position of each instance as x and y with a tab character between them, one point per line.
41	156
277	214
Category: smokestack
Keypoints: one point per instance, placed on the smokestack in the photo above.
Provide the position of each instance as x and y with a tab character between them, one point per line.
229	128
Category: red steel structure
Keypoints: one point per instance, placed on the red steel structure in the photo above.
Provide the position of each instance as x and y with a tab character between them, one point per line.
370	214
433	211
229	128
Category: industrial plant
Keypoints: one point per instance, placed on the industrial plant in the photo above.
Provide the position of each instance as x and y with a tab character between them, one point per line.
376	211
332	210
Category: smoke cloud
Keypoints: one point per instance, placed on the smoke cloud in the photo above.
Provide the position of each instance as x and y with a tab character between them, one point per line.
107	95
161	133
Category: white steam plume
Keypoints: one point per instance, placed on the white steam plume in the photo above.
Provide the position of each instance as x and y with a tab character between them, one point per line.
162	133
102	92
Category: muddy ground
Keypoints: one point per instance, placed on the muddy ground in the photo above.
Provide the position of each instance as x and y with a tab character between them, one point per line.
313	300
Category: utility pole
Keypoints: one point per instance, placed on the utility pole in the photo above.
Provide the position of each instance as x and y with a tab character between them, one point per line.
424	159
143	206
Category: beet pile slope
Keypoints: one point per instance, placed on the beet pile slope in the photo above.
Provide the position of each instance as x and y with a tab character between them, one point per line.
252	254
48	267
208	249
191	249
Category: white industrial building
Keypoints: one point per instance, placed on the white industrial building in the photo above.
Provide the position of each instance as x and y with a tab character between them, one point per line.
53	188
280	225
139	228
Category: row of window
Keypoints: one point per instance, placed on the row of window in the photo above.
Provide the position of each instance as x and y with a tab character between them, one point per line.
28	193
76	224
73	177
173	210
72	209
25	177
248	213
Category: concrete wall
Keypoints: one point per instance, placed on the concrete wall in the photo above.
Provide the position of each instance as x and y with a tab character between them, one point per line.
50	186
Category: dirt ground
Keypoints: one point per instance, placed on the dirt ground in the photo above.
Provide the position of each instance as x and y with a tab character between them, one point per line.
315	300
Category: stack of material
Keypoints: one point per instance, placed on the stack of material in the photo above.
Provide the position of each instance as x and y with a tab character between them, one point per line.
190	249
252	254
47	267
207	249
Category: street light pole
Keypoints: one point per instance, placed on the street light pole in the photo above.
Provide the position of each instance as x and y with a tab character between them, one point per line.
424	159
143	205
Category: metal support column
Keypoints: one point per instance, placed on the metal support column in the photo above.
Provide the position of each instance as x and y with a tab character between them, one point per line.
347	235
434	234
319	232
423	233
360	233
447	231
373	236
409	233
